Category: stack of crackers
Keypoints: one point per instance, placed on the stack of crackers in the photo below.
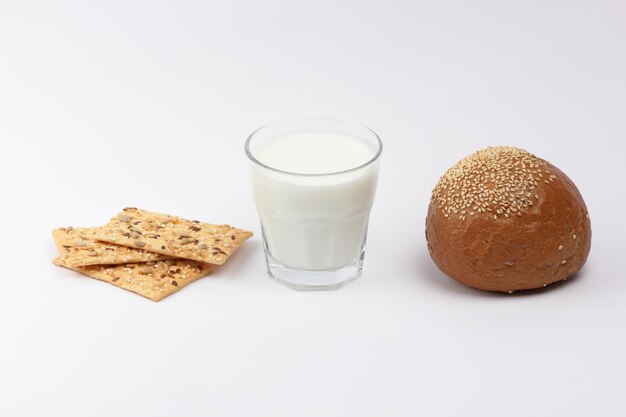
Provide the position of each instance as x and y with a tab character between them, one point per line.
151	254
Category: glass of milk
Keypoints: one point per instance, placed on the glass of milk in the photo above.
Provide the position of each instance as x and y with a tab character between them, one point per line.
314	182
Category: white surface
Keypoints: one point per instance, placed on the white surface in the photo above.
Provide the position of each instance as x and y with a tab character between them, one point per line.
109	104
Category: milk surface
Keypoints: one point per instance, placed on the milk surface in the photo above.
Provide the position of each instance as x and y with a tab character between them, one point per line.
314	153
314	222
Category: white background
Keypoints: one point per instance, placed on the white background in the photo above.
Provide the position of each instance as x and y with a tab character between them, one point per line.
147	103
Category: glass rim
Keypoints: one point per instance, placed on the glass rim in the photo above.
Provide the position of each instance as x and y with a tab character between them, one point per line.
365	164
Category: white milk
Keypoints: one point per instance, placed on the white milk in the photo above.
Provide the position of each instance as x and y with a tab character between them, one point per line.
314	222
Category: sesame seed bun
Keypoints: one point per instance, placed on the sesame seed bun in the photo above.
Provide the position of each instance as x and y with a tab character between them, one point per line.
504	220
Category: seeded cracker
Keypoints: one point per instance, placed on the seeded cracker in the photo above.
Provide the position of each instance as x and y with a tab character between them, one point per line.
173	236
78	247
153	280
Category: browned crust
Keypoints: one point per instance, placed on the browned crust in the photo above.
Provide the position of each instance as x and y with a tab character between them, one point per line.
548	243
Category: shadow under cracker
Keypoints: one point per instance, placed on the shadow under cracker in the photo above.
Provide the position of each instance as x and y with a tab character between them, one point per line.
232	267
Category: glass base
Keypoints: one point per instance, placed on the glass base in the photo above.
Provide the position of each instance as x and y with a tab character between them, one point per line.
306	280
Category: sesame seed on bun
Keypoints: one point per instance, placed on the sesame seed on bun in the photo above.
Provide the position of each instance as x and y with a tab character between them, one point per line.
503	219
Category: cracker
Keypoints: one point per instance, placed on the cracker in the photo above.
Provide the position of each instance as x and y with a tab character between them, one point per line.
78	247
173	236
153	280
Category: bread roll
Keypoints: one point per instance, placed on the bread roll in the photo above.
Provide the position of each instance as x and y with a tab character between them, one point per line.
504	220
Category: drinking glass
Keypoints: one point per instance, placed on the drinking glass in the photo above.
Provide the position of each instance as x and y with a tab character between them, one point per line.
314	182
